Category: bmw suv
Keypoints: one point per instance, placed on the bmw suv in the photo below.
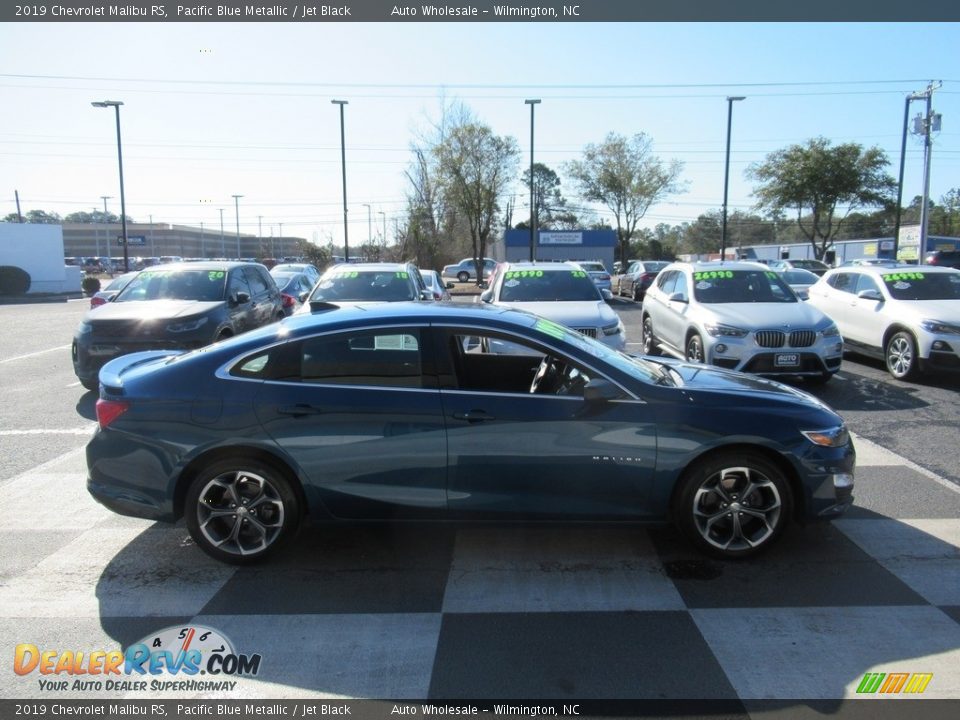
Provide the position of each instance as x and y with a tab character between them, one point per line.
741	316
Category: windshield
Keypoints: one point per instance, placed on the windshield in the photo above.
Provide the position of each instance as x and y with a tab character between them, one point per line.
653	267
346	285
923	286
202	285
547	285
741	286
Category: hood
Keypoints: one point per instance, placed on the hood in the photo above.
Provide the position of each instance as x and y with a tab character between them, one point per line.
580	314
947	311
711	379
782	316
151	310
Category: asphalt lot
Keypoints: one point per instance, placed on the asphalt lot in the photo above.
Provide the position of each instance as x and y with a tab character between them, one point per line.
449	612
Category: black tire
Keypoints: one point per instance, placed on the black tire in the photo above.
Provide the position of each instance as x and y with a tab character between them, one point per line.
463	276
637	294
222	507
694	351
649	339
90	384
900	356
733	504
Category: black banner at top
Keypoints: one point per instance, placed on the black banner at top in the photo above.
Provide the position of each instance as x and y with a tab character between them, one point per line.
482	11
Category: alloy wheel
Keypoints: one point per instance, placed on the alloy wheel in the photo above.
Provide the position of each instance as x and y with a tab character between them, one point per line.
240	513
737	509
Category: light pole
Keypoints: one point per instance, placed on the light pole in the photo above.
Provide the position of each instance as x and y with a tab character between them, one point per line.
384	243
533	205
236	202
115	104
369	223
223	245
343	166
903	158
726	177
109	251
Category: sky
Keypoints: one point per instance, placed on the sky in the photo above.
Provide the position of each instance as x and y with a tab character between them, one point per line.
216	109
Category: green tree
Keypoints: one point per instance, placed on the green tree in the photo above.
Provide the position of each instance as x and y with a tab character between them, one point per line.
39	217
626	177
822	185
550	203
476	167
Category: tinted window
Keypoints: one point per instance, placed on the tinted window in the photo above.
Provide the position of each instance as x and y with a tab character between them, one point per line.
667	281
844	282
238	283
865	282
258	283
549	285
741	286
923	286
349	285
175	285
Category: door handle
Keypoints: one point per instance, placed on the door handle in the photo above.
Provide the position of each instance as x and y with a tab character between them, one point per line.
474	416
299	410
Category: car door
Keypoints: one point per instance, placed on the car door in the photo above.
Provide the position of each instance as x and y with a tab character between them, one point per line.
869	319
358	415
531	455
241	309
841	303
671	324
263	305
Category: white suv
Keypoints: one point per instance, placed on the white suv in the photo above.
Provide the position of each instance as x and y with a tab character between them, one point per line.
909	316
741	316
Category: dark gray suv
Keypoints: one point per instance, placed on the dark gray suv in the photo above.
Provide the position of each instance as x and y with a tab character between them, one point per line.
180	306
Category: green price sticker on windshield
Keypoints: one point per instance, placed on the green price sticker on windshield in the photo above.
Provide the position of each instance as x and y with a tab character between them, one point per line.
214	275
403	275
896	277
713	275
578	274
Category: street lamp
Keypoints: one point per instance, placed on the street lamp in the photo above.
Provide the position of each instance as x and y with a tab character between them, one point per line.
236	202
384	243
343	165
726	177
115	104
533	206
369	223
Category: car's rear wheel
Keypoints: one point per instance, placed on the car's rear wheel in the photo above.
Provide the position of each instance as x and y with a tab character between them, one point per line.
901	356
694	350
240	510
649	339
637	293
463	276
733	505
90	383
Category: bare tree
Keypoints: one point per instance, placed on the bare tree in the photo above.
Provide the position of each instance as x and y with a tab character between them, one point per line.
624	175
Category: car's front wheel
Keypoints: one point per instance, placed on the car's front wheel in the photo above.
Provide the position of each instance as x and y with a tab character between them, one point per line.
649	339
240	510
733	505
901	356
694	350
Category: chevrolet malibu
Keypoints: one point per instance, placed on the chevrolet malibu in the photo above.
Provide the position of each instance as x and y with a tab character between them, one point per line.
401	411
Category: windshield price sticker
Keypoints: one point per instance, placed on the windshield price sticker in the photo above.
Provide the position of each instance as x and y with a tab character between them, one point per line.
345	274
713	275
579	274
894	277
514	274
216	275
403	275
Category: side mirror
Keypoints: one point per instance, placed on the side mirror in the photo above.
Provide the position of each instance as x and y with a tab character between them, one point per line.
600	390
303	296
239	298
679	297
870	295
607	294
426	295
486	296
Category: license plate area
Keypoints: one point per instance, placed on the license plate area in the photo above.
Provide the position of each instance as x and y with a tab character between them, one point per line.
786	360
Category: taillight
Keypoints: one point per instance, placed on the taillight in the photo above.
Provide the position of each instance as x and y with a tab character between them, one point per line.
110	410
97	302
648	276
437	296
604	276
288	300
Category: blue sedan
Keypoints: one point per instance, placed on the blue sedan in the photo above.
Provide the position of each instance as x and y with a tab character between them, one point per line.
408	411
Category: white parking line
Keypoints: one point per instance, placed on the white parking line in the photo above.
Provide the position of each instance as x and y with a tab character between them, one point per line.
49	431
34	354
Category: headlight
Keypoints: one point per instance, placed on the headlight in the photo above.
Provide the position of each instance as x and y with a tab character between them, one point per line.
718	330
831	437
942	328
831	330
84	328
187	325
614	329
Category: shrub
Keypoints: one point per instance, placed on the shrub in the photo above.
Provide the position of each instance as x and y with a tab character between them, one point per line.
90	285
13	280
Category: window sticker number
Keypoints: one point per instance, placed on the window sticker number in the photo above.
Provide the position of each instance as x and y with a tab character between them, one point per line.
894	277
516	274
713	275
215	275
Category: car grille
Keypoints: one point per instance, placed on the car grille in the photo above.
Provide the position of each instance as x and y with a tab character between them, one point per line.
589	332
126	329
778	338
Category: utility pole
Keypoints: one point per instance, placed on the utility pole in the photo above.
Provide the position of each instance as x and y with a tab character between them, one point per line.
926	126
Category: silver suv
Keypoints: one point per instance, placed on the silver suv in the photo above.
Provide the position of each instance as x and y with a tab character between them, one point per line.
741	316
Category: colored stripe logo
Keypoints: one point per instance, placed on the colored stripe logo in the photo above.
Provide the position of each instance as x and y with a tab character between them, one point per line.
894	683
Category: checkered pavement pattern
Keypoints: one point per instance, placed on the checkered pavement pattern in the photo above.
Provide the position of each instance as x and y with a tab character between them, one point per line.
584	612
